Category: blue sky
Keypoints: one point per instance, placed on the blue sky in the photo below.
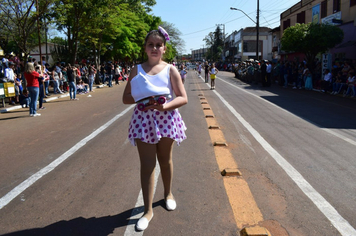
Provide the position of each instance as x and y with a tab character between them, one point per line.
196	18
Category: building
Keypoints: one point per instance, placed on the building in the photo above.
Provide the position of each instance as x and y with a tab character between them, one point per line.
276	41
241	45
35	52
199	54
230	48
338	12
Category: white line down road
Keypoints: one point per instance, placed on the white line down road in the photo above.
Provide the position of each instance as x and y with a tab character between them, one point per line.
31	180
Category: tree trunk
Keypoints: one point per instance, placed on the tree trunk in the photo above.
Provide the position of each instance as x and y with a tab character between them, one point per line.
310	61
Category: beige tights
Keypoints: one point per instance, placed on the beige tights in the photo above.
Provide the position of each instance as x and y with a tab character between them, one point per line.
148	153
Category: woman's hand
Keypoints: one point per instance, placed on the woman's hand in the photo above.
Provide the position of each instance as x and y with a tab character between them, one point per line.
153	104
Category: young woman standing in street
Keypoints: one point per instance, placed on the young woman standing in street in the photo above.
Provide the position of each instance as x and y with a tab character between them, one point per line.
213	72
155	129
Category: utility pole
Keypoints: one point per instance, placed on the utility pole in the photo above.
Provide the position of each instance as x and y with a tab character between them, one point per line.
258	29
38	31
46	38
223	38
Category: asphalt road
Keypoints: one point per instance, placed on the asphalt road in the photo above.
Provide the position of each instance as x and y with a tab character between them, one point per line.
72	171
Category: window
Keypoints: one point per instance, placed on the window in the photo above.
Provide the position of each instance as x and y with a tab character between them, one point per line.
286	24
250	46
301	17
324	8
336	6
352	3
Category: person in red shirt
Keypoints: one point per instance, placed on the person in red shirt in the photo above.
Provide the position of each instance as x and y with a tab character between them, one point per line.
31	77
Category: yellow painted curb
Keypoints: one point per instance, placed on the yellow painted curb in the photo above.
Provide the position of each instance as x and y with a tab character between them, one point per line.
231	172
255	231
244	207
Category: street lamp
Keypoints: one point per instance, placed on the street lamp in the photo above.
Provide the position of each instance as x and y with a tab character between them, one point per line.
256	22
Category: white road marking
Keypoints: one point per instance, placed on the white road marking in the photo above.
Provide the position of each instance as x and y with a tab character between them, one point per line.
32	179
324	206
353	142
139	209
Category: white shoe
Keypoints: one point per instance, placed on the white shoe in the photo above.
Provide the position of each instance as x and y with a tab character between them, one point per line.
37	114
171	204
142	223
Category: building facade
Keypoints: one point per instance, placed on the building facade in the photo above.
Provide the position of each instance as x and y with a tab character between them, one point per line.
241	45
199	54
341	13
35	52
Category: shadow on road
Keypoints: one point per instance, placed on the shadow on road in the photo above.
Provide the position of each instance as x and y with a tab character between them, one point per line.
321	109
85	227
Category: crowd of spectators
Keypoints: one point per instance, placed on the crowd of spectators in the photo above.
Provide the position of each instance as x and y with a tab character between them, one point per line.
57	78
340	79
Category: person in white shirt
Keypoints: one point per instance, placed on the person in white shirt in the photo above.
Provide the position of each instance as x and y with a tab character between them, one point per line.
9	72
10	76
351	85
5	61
213	72
326	82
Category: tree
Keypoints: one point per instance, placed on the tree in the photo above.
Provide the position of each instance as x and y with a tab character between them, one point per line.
215	42
107	27
174	35
60	51
18	21
311	39
70	18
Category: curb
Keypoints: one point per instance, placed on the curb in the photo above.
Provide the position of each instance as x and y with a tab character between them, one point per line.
44	100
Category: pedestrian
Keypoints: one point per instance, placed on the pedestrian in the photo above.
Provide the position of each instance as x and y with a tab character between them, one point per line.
57	74
108	70
72	74
47	79
155	129
24	98
308	79
32	77
268	73
206	70
117	74
213	72
287	72
326	82
199	68
183	73
263	69
92	72
41	93
11	77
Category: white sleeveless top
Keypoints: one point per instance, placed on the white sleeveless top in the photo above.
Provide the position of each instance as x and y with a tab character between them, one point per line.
144	85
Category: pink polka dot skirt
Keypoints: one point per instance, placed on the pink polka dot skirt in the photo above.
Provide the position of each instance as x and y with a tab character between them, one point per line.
150	126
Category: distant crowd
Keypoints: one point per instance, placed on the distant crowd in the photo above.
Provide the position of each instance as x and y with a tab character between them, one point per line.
340	79
55	77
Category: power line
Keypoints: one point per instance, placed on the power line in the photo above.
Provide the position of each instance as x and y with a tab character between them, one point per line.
213	26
